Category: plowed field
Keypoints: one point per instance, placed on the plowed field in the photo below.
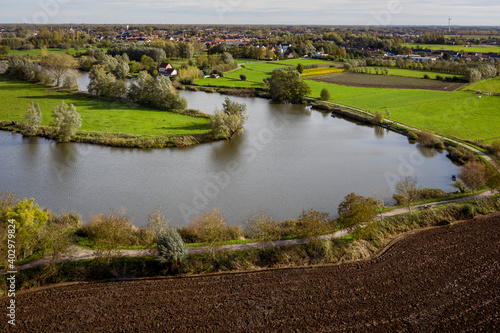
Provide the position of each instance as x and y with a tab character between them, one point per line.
439	279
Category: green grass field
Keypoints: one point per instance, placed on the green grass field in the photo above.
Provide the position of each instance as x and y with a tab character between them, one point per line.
295	62
459	113
418	73
251	75
474	48
228	82
49	51
263	67
97	115
489	85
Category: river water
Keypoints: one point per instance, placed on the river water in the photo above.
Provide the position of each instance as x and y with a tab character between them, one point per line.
288	159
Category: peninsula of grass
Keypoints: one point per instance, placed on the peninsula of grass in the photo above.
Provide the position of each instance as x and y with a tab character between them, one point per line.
99	117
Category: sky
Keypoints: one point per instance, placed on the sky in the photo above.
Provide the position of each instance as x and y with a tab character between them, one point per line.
292	12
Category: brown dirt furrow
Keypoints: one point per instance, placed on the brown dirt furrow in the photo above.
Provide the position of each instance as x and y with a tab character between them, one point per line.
438	279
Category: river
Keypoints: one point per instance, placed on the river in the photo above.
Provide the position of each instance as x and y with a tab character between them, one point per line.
288	159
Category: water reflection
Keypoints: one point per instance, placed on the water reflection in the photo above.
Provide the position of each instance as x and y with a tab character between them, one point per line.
290	158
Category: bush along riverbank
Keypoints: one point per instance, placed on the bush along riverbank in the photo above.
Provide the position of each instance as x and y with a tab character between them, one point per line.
363	241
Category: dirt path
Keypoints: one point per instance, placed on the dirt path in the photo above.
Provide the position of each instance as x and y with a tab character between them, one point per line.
444	279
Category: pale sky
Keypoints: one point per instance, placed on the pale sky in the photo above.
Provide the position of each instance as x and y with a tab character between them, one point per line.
295	12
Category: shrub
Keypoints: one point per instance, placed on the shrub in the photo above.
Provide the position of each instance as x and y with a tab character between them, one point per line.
426	76
412	135
188	81
325	95
313	223
212	228
428	139
109	231
171	248
431	193
379	117
439	77
243	77
460	155
263	227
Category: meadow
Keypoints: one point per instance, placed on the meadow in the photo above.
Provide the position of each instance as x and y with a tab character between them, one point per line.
418	73
457	48
49	51
97	115
489	85
459	113
452	113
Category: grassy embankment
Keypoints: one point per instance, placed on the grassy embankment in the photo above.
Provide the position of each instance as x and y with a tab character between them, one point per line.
358	245
100	118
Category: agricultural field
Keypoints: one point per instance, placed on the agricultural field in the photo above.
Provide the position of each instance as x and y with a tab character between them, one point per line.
97	115
419	73
321	71
489	85
457	48
295	62
459	113
387	81
49	51
443	278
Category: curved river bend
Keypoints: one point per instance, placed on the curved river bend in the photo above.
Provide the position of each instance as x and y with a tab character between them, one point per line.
289	158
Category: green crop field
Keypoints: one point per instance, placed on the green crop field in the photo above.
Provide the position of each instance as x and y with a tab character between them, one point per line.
97	115
49	51
459	113
295	62
489	85
456	48
418	73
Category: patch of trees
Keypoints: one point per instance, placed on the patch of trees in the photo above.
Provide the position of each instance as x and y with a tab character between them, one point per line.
156	92
287	87
136	52
481	72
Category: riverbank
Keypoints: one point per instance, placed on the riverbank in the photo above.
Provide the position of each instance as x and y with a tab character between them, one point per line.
339	247
105	122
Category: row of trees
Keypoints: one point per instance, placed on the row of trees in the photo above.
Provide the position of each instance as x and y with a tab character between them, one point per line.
67	121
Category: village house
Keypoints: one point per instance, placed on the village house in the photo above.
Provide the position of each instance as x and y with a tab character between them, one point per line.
167	69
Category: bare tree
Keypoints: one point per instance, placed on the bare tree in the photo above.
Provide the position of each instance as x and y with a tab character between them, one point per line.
407	188
473	174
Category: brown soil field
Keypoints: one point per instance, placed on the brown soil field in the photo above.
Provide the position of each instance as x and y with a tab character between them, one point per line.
387	81
443	279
